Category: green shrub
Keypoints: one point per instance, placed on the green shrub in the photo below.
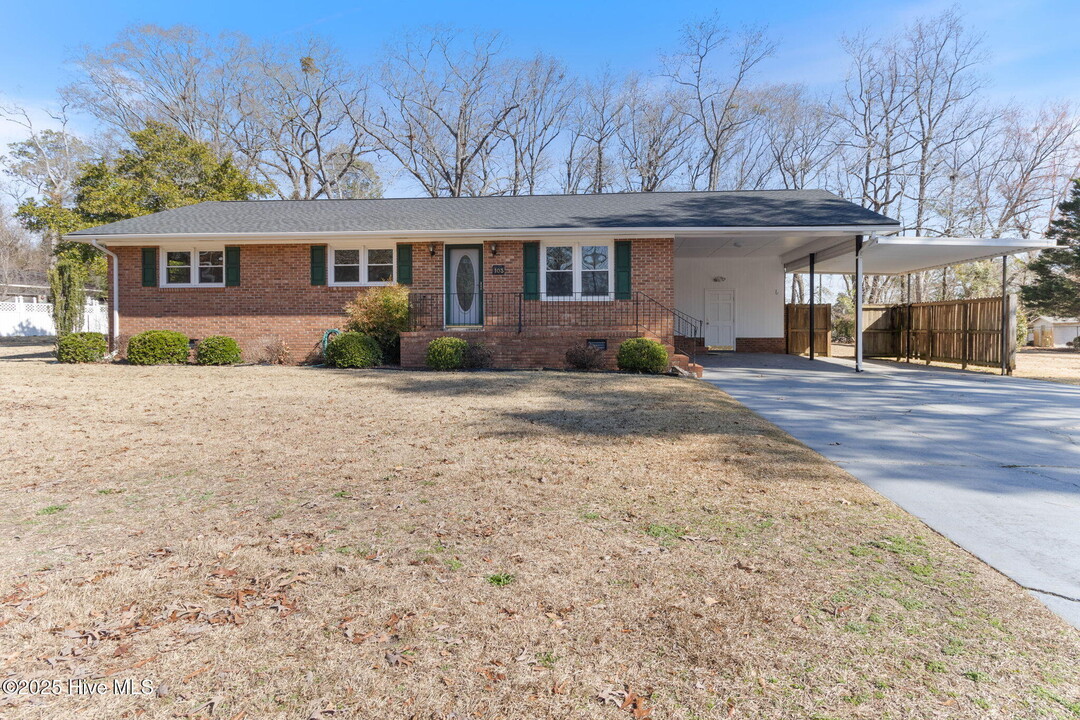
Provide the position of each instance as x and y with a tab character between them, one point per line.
446	353
642	355
217	350
477	357
158	347
81	347
584	357
353	350
382	313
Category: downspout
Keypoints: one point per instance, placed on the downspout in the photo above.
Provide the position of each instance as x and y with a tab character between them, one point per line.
115	295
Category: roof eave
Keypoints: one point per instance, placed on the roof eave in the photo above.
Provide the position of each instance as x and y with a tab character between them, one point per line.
503	233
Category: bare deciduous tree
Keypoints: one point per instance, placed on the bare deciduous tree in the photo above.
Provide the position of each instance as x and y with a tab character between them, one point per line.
715	103
449	100
546	93
288	114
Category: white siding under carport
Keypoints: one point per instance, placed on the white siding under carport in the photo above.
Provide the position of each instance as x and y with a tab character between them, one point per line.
758	283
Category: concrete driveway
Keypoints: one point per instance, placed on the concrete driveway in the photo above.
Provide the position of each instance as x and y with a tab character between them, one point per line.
991	462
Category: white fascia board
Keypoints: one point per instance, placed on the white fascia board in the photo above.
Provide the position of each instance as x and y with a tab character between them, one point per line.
504	234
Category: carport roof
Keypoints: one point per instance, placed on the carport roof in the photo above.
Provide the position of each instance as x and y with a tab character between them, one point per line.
899	255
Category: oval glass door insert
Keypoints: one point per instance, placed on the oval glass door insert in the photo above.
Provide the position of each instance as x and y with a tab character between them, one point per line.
466	283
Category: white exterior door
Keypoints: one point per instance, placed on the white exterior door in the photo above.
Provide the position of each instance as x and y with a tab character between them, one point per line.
464	290
720	319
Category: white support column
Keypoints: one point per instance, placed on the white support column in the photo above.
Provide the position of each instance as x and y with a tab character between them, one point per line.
858	304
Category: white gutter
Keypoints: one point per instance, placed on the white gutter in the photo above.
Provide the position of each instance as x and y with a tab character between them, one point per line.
115	296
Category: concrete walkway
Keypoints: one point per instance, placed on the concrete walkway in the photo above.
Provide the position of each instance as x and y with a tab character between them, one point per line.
991	462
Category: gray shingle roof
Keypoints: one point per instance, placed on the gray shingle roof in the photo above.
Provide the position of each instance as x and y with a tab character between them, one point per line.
768	208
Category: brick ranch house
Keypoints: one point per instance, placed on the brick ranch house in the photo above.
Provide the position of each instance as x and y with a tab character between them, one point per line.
529	276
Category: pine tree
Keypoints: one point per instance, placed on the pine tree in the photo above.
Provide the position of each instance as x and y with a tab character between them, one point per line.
1055	289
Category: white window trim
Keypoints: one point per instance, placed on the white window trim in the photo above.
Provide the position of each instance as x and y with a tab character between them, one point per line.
193	273
331	278
576	270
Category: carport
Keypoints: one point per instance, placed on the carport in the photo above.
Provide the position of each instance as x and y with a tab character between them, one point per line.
905	255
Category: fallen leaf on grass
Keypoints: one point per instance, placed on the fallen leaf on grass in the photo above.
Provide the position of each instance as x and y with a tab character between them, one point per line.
395	658
190	676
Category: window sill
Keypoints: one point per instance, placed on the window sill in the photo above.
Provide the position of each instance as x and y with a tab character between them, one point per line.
570	298
189	286
368	284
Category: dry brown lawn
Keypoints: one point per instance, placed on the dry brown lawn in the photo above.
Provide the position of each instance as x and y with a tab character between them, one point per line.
279	542
1052	364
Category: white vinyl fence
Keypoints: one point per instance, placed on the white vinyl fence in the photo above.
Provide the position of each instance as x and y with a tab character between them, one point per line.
29	319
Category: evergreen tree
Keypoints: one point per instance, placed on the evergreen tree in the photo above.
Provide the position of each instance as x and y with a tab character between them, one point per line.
1055	289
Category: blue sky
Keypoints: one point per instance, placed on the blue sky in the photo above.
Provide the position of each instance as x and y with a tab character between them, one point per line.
1032	43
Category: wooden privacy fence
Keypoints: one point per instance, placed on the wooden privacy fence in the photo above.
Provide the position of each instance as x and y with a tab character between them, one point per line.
965	332
797	329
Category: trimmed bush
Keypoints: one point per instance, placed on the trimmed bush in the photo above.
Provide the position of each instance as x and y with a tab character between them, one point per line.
446	353
217	350
81	347
584	357
642	355
158	347
353	350
477	357
382	313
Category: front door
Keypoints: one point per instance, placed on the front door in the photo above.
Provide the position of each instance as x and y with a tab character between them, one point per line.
464	286
720	319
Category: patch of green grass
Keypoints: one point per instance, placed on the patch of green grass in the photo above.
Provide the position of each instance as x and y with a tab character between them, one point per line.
980	703
1073	707
547	659
344	494
860	551
856	627
108	491
910	603
52	509
500	579
922	570
275	515
936	666
454	564
899	545
976	676
590	515
664	532
953	647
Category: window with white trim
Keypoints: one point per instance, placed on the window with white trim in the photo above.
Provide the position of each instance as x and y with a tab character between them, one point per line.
190	267
361	266
583	270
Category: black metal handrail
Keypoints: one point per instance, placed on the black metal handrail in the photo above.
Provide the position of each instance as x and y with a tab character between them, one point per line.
515	311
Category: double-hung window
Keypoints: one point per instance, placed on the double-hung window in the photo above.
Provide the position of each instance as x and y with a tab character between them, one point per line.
190	267
361	266
577	270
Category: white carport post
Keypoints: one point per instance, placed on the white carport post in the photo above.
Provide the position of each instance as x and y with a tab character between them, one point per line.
858	303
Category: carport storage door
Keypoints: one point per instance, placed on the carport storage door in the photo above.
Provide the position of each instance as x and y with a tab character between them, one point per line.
720	319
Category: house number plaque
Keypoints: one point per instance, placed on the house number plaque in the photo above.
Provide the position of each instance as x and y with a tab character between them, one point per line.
498	269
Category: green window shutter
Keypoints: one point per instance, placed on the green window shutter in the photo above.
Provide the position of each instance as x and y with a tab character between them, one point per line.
404	264
149	267
622	269
318	264
531	265
232	266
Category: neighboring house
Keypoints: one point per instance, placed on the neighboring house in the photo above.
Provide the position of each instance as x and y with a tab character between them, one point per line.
527	275
1053	331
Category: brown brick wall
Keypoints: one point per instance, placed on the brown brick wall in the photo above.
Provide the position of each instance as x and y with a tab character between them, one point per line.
275	299
760	345
529	349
